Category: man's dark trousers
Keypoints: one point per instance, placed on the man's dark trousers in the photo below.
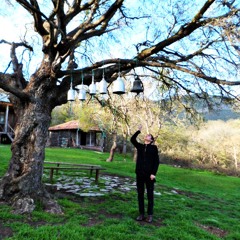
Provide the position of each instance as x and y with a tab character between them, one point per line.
143	180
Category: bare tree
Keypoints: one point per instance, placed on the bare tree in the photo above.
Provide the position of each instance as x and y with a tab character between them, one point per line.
188	41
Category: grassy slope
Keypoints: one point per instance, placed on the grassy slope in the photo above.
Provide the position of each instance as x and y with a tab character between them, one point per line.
192	205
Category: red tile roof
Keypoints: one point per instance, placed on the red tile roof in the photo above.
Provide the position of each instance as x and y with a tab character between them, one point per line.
71	125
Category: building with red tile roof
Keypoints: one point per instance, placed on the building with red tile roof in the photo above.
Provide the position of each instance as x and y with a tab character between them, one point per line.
69	134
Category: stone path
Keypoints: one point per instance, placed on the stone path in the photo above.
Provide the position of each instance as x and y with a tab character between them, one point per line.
85	186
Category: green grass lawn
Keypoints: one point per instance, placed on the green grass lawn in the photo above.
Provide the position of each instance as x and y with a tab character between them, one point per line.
190	205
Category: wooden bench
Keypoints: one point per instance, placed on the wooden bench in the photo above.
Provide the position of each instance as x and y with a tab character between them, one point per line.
56	166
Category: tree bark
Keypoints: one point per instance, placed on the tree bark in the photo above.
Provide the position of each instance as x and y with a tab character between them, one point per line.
22	184
113	148
135	155
124	149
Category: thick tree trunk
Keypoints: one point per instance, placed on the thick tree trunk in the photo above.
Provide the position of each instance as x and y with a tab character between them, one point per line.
113	148
22	185
124	149
135	155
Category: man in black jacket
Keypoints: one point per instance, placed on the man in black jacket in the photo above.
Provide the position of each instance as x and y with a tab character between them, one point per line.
146	169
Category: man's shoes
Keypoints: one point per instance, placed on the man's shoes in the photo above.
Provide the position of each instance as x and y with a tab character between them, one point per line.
140	218
149	218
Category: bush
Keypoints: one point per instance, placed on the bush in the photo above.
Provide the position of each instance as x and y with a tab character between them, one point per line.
215	145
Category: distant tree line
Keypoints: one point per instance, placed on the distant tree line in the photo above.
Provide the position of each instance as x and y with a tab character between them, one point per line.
212	145
204	144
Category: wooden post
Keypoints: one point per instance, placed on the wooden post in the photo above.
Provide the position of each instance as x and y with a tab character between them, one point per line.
51	175
97	175
58	164
6	119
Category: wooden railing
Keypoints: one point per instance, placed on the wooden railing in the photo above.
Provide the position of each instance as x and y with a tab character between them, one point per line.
8	130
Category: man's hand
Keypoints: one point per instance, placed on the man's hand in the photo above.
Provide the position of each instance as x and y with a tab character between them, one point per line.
152	177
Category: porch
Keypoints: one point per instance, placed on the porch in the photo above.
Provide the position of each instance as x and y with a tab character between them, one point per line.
7	120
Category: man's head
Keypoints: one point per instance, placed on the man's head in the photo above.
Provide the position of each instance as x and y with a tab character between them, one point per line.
148	139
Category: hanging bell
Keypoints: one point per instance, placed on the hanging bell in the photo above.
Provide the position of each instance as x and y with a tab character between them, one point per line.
103	86
137	85
71	94
82	93
92	87
118	85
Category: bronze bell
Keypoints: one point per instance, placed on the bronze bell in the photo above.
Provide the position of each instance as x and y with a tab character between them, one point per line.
137	85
